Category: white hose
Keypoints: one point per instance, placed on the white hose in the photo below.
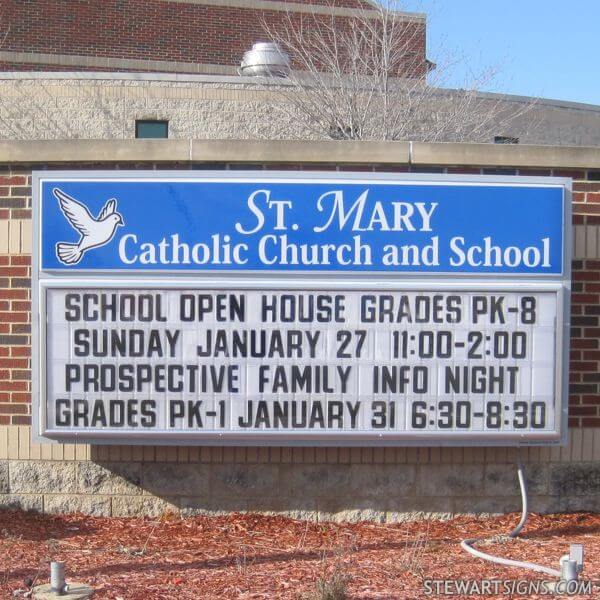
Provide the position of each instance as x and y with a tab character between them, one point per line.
467	545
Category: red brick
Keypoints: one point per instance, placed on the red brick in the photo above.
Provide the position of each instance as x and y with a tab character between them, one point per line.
20	213
21	305
535	172
319	167
584	343
13	180
281	167
20	420
20	351
583	411
21	259
586	209
20	282
14	363
385	169
569	173
13	409
586	186
21	397
14	317
12	294
464	170
586	276
361	168
585	298
20	271
15	386
591	332
21	374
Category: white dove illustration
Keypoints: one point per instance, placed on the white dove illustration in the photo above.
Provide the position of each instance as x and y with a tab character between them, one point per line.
94	232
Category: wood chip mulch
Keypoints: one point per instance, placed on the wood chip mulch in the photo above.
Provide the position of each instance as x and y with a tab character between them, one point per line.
253	557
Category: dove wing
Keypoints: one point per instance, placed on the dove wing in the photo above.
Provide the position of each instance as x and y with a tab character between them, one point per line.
108	209
77	214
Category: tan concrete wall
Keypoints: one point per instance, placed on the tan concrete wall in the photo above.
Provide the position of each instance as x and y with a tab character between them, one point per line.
79	106
382	484
107	109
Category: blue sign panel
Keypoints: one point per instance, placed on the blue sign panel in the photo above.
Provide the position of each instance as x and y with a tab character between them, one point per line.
313	223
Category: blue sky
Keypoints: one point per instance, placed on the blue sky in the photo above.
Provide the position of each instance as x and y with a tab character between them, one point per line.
547	48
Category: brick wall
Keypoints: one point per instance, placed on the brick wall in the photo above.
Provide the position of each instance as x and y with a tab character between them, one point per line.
15	294
390	484
15	297
584	401
151	67
153	30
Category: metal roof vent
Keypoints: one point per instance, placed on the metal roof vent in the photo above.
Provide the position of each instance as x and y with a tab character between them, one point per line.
266	59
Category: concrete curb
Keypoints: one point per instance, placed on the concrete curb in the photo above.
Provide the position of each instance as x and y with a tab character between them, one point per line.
292	152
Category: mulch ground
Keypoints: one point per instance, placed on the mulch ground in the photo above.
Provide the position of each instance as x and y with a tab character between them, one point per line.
251	556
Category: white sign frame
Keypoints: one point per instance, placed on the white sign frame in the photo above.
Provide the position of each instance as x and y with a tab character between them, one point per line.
41	281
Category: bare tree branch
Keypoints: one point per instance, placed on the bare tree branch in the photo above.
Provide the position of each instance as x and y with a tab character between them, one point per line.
366	78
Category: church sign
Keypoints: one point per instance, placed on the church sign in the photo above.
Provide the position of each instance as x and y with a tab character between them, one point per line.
300	308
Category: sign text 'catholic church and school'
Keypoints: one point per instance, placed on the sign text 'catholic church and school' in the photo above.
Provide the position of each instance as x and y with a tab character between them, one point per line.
304	225
285	308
